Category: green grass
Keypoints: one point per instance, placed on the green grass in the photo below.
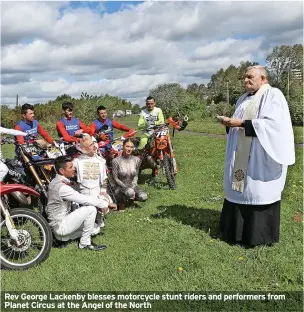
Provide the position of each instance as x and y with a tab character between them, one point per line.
298	134
173	229
177	235
209	126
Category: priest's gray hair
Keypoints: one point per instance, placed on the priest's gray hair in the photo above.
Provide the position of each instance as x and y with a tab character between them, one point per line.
261	69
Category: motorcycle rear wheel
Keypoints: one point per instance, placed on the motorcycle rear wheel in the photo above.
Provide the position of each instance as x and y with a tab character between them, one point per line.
36	237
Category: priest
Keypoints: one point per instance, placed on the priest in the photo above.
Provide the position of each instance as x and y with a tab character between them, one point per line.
260	147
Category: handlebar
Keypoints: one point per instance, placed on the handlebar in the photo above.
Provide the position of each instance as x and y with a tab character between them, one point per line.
156	127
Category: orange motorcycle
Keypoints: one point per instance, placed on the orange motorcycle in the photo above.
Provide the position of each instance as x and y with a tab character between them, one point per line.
159	153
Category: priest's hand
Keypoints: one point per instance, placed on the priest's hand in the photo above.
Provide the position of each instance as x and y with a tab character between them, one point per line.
232	122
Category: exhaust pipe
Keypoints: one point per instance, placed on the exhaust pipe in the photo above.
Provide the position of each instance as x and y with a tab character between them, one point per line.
151	162
21	198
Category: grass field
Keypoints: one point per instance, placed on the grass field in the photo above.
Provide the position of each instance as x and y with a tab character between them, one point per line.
210	126
174	229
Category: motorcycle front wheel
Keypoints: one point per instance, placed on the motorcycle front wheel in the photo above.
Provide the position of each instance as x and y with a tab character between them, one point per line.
168	167
35	236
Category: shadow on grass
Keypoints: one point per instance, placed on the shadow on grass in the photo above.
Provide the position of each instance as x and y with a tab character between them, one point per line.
156	182
145	177
204	219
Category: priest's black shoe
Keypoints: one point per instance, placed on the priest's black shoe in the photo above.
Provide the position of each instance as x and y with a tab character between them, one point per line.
94	247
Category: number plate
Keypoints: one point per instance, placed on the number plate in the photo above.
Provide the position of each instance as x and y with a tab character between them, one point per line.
161	133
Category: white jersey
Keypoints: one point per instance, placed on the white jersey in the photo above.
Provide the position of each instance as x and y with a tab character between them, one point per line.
151	116
91	171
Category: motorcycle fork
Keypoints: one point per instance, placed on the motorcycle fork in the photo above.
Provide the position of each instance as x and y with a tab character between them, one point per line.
34	172
44	175
170	148
172	156
9	222
143	156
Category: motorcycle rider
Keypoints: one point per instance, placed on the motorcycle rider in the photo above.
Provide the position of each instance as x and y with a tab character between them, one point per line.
67	225
103	120
31	126
91	173
149	117
3	167
70	128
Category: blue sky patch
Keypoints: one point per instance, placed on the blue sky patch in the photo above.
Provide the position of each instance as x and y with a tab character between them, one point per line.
109	6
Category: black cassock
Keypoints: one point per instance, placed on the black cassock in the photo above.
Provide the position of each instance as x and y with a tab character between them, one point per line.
250	225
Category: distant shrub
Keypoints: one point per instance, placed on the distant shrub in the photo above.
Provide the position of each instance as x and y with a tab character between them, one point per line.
222	109
296	112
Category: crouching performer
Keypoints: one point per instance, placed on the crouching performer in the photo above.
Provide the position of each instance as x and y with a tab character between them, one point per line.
91	174
125	174
68	225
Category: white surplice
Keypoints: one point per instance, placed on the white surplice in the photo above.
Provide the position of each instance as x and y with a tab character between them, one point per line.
271	151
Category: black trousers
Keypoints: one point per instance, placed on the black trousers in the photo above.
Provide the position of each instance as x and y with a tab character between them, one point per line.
250	225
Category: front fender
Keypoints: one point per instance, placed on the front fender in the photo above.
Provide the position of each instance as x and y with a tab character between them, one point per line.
9	188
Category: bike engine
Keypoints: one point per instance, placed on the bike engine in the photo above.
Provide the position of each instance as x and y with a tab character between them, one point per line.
151	162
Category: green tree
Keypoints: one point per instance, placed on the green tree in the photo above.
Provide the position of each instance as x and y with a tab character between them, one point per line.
200	91
296	104
173	99
282	60
136	109
228	82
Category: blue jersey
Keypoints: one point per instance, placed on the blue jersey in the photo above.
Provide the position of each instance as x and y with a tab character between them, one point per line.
108	122
30	128
71	125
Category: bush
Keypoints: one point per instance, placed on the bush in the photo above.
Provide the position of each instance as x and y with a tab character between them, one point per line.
173	99
296	112
222	109
211	110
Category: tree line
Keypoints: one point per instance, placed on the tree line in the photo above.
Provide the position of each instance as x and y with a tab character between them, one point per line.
284	64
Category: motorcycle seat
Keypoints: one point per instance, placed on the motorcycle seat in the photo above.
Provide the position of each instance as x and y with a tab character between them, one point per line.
48	161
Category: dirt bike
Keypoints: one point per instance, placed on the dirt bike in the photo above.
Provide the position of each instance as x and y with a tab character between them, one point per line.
26	237
159	153
34	168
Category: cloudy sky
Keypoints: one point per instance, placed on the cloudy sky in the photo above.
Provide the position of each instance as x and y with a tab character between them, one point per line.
126	48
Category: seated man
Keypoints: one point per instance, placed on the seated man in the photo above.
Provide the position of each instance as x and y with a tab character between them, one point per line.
91	173
31	126
102	119
68	127
67	225
149	117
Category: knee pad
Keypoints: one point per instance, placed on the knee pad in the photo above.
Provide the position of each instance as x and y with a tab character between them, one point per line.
130	192
143	197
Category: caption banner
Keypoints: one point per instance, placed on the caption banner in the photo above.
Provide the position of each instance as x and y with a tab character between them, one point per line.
95	301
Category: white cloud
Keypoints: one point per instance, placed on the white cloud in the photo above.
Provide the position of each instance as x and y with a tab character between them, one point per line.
226	48
55	48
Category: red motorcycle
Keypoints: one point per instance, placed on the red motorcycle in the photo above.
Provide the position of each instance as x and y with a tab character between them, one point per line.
26	237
